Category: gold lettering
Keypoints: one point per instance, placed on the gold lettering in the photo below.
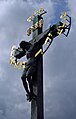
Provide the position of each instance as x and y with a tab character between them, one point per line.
40	23
37	12
64	15
29	31
41	10
47	40
61	30
40	51
50	34
36	25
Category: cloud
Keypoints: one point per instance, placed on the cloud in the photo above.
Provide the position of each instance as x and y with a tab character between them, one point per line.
60	78
71	6
13	27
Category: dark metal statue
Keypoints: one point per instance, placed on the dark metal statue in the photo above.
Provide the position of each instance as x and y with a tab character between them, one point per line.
30	69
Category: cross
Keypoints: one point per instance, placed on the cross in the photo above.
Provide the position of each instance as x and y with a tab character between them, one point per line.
41	38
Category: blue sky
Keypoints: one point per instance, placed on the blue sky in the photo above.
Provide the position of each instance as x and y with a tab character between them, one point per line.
59	6
59	60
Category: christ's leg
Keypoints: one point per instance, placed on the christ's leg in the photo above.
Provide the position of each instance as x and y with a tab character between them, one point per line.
23	77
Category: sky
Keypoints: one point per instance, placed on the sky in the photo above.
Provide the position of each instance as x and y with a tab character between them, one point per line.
59	60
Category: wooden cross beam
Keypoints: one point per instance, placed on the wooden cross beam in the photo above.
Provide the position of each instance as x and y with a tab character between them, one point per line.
37	107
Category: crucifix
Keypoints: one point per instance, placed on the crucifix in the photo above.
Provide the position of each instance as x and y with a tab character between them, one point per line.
33	68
